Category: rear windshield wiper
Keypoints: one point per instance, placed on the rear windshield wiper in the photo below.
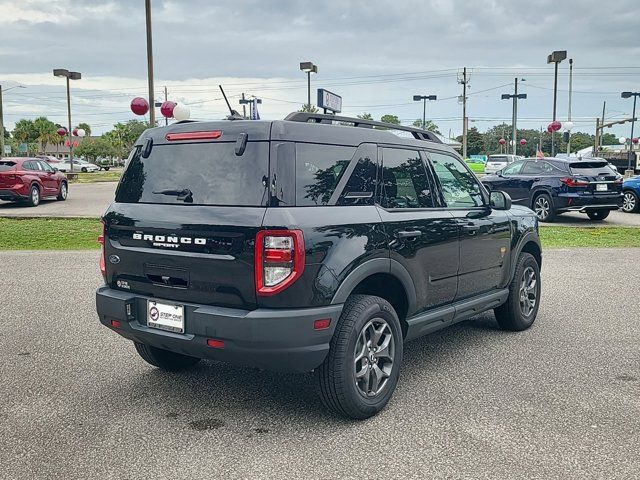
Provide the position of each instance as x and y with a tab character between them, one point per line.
185	194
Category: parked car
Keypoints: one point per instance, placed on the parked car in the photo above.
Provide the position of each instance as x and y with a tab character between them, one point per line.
29	180
498	162
50	159
551	186
78	166
631	192
297	245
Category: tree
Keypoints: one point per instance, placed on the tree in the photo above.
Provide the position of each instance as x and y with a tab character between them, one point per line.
46	131
25	131
430	125
124	136
366	116
308	108
390	119
609	139
86	128
92	148
475	142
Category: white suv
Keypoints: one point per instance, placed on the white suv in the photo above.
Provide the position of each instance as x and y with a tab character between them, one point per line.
498	162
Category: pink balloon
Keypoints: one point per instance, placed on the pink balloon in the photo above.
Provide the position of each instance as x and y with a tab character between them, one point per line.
166	109
75	132
502	141
556	125
635	140
549	128
523	142
139	106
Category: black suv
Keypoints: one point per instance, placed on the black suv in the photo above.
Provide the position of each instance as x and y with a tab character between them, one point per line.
551	186
302	245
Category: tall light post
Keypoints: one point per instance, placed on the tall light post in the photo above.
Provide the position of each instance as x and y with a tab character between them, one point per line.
569	113
424	98
308	68
514	117
635	96
555	57
152	110
62	72
2	119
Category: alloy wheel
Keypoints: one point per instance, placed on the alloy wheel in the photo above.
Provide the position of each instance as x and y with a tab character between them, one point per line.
373	357
629	202
542	208
35	196
63	191
528	291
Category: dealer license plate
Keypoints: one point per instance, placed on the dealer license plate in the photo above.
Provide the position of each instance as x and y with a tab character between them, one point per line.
601	187
165	316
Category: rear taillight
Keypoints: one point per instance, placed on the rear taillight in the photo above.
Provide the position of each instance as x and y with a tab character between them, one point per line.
279	260
574	182
103	264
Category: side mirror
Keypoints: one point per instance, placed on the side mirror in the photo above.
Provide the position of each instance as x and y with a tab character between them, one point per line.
500	200
55	169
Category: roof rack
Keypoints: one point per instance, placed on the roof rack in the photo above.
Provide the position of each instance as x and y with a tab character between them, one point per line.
307	117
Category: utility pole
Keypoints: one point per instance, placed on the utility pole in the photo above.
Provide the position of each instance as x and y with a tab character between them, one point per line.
604	107
569	116
244	106
1	126
555	57
152	109
514	119
464	111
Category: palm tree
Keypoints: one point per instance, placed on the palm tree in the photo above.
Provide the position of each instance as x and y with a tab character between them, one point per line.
46	130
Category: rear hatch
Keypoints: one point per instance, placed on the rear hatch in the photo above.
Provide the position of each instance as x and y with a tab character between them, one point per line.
7	173
185	218
495	163
594	178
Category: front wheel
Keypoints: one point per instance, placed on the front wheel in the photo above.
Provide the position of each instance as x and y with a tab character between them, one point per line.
520	309
164	359
64	190
360	373
83	169
598	215
630	202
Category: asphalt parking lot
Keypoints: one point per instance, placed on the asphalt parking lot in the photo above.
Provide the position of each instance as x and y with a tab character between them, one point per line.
561	400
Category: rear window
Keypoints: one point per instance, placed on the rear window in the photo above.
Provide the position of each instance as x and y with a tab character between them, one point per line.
592	169
6	165
197	174
497	158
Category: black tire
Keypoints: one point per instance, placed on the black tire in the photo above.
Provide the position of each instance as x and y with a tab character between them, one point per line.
631	202
543	206
340	391
34	196
106	169
83	169
510	315
598	215
164	359
64	191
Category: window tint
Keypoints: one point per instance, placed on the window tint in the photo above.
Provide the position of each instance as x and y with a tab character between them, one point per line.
513	169
7	165
498	158
361	185
45	166
404	180
319	168
592	169
198	174
533	167
31	165
459	186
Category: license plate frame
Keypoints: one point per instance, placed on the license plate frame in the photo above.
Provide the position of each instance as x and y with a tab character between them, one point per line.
165	316
601	187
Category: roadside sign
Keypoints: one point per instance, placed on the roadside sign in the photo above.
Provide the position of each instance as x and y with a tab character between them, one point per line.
7	149
329	101
22	148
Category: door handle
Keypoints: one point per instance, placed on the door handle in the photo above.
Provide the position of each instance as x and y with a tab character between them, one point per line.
409	234
471	228
537	179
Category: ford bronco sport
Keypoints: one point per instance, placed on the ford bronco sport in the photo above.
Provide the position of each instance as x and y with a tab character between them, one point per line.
301	245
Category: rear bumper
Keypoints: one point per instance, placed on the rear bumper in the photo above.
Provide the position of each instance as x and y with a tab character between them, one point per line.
13	193
570	202
282	340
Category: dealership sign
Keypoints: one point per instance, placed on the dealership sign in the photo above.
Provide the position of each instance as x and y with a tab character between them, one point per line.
329	101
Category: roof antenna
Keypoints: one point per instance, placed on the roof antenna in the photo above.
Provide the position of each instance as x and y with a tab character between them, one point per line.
234	115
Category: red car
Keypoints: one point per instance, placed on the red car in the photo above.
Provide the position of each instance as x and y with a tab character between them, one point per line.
29	180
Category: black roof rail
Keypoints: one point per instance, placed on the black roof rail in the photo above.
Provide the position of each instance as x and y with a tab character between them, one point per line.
307	117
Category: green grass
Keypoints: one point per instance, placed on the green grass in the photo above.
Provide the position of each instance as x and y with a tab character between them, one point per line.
49	233
477	167
593	237
102	176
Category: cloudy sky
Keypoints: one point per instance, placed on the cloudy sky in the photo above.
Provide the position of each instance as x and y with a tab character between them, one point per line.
377	54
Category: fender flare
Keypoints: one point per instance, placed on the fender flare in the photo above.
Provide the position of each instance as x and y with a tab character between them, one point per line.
537	191
371	267
528	236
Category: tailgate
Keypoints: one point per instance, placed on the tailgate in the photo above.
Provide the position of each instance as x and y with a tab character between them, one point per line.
7	173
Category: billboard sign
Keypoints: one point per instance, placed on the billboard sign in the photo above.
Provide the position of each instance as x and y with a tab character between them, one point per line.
329	101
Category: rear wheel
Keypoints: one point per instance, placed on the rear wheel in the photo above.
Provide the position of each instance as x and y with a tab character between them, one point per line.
164	359
630	202
362	368
64	190
543	206
34	196
520	309
598	214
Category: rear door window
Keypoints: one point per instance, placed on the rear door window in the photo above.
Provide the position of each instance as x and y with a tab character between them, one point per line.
319	169
197	174
404	180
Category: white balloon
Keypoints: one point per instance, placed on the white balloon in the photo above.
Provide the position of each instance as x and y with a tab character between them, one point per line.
181	112
81	132
567	125
622	140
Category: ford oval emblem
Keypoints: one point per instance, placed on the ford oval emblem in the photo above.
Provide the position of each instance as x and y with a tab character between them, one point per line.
114	259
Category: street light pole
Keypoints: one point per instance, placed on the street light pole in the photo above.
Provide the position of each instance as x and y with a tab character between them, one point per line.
570	91
62	72
555	57
152	109
2	119
424	98
308	68
635	96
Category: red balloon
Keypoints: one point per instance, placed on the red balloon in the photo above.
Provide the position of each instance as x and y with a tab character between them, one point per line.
139	106
166	109
549	128
523	142
556	125
502	141
74	132
62	131
635	140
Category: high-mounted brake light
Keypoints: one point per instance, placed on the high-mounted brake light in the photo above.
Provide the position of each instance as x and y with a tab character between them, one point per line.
212	135
279	258
574	182
103	264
